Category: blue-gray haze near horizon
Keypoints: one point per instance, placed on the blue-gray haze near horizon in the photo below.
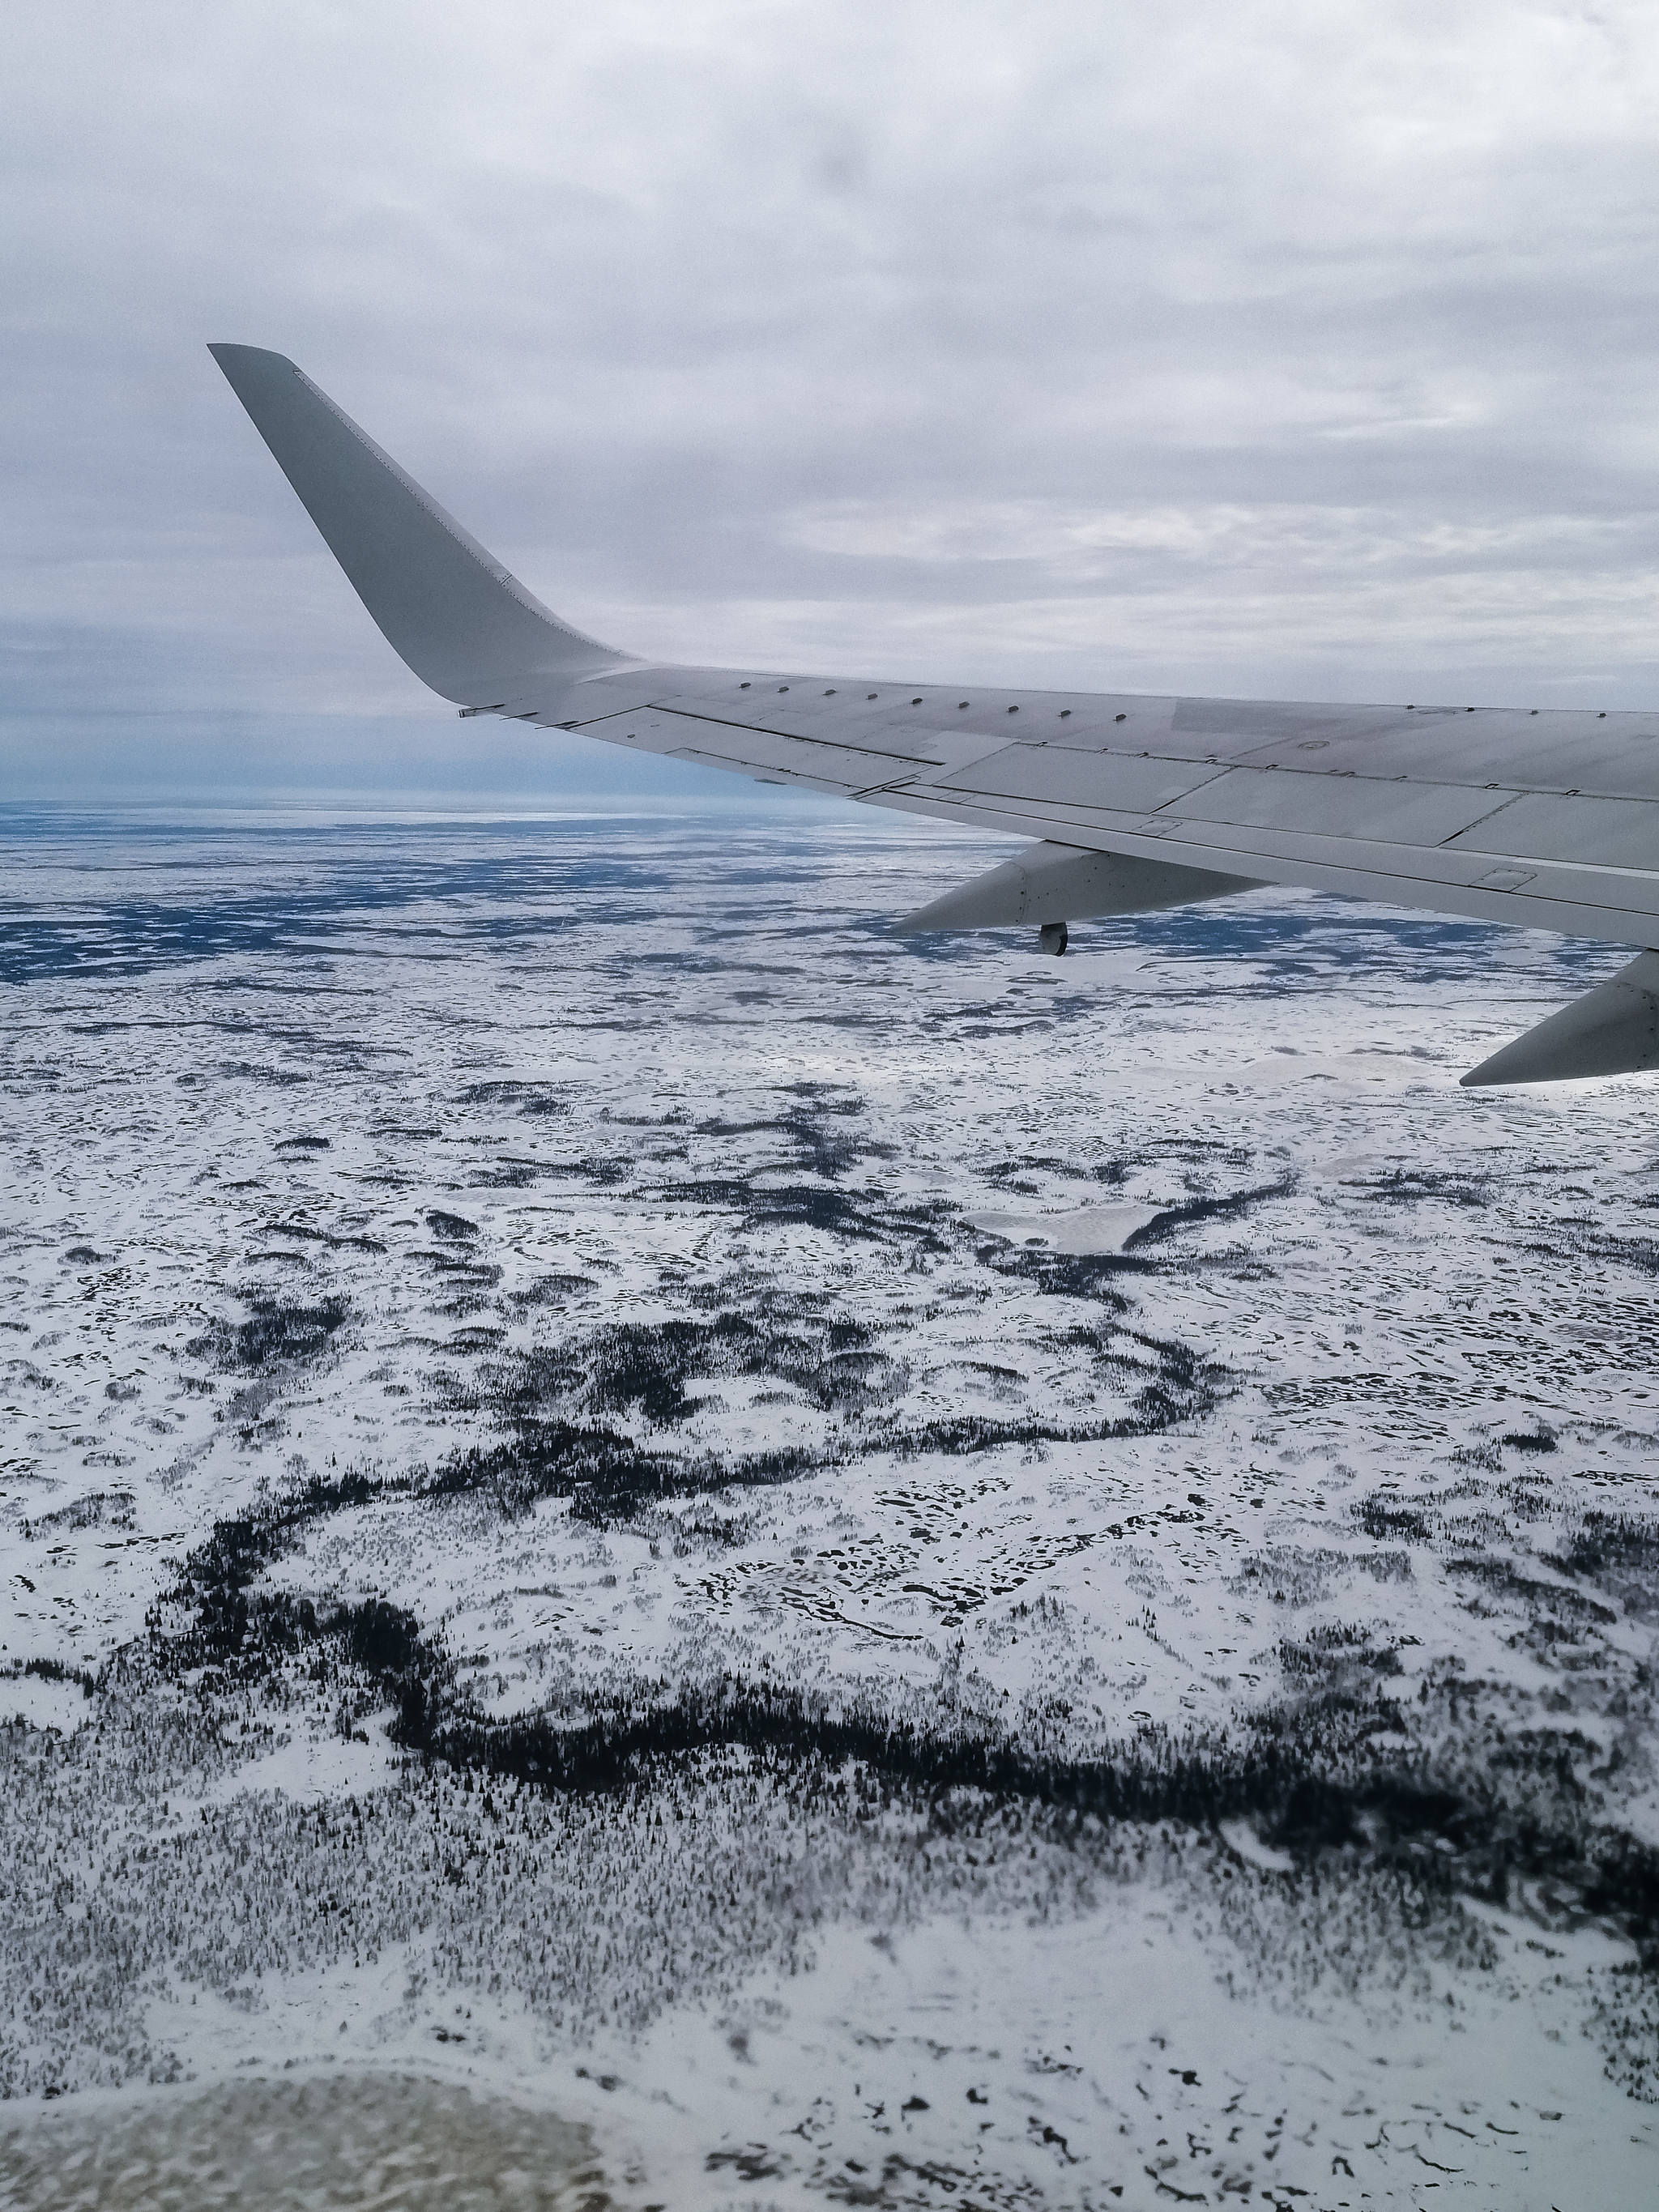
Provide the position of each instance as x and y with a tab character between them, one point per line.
606	1504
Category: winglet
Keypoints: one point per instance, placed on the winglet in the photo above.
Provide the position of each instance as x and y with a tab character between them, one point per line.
448	608
1611	1031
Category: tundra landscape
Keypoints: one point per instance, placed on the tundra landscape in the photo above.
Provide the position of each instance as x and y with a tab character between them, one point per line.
761	1563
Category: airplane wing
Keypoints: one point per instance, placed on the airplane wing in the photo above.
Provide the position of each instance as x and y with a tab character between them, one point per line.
1548	819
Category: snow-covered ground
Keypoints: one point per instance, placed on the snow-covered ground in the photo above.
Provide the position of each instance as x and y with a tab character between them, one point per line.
684	1305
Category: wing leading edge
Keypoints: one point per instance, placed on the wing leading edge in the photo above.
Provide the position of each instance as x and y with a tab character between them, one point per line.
1548	819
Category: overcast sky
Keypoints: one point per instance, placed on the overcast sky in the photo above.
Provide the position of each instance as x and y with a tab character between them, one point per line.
1307	349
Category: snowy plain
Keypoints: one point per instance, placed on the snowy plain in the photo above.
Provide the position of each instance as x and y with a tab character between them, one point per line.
883	1572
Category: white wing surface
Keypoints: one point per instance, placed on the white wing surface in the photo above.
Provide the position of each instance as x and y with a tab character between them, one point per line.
1548	819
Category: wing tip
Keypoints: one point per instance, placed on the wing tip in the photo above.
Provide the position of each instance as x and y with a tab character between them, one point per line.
228	353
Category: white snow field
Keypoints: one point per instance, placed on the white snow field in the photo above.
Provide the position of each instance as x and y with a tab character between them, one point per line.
661	1549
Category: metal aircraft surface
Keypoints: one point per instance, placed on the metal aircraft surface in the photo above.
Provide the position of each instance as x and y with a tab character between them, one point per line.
1545	818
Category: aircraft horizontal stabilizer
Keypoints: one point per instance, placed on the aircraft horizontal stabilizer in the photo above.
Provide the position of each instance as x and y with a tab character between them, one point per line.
1051	883
1611	1031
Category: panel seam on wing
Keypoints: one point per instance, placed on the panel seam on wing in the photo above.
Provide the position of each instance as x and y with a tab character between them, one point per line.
796	737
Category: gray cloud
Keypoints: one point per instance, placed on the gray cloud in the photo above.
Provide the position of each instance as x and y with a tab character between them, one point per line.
1286	349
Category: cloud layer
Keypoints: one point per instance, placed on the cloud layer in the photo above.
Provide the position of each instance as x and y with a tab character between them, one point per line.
1292	349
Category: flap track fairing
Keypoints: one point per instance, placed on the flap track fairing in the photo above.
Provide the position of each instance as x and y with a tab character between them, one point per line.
1050	882
1611	1031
